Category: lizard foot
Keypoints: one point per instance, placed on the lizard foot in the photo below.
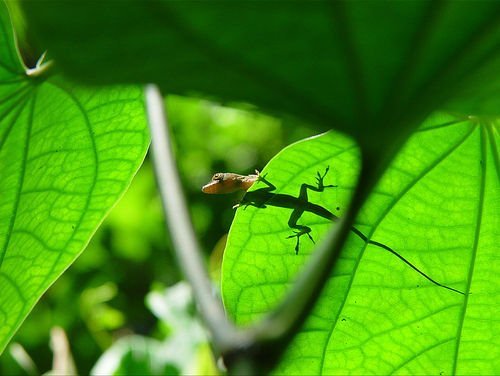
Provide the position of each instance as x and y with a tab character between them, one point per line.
298	234
320	178
260	177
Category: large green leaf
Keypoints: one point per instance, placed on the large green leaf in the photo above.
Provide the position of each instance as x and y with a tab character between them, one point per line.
437	205
363	67
66	155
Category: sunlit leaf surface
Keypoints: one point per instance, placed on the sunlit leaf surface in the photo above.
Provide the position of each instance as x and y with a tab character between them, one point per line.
437	205
66	156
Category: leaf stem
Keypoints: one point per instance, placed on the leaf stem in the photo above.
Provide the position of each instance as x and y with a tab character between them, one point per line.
42	67
186	247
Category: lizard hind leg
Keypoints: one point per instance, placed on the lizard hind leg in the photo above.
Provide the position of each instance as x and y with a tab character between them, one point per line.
302	230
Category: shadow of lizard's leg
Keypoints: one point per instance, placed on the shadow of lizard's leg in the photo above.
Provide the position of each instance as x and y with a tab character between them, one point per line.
270	187
301	229
302	203
319	188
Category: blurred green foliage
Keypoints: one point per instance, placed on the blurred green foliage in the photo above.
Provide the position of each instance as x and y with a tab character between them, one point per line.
100	298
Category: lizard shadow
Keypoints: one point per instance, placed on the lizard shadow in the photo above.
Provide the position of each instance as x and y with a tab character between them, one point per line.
263	197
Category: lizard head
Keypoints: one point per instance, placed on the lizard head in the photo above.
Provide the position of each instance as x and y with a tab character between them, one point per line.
215	185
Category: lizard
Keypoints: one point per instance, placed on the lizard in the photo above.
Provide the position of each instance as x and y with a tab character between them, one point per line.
227	182
222	183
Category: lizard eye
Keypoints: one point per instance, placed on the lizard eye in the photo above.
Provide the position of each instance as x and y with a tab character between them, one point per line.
218	176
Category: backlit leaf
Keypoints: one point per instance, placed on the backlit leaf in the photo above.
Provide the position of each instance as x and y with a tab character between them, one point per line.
437	205
67	154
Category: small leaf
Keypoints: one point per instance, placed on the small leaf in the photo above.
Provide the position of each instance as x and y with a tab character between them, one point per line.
66	155
437	206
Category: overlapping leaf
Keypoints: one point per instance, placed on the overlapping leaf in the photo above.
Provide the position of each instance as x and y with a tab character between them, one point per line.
66	156
437	205
367	68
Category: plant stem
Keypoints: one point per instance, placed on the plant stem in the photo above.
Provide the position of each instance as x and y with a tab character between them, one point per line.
42	68
184	240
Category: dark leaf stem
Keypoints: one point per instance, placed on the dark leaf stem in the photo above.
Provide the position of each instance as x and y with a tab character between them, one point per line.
184	240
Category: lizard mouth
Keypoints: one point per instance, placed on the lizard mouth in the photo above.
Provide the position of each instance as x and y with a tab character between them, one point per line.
210	188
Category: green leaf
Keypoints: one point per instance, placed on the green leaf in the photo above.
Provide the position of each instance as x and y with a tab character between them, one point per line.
437	205
366	68
67	154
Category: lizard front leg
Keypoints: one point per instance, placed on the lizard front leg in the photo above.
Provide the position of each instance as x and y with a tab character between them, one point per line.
319	188
297	212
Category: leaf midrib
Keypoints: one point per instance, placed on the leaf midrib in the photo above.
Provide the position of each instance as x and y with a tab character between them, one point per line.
480	206
94	176
377	223
15	207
